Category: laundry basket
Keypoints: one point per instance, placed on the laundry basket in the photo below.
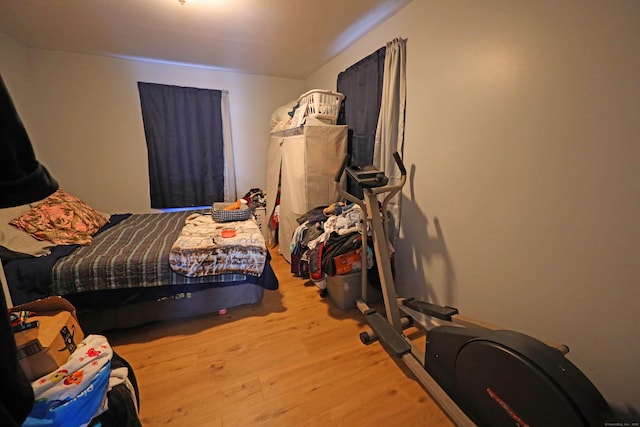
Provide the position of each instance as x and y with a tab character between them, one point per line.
323	104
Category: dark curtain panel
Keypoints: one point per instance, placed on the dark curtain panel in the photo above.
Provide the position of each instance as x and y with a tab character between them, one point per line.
22	178
183	128
361	85
16	397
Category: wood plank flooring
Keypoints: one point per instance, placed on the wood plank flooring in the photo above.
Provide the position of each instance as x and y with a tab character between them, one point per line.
293	359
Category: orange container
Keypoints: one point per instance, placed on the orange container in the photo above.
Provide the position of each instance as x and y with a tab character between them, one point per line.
348	262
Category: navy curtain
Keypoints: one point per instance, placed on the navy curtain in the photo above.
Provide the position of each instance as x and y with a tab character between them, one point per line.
183	129
361	85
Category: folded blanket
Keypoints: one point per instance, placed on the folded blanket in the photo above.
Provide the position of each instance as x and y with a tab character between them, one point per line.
205	247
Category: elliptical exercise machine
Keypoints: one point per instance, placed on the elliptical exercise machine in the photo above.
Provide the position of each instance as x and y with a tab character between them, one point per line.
478	375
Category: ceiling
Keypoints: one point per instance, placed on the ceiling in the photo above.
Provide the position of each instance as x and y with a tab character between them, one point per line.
280	38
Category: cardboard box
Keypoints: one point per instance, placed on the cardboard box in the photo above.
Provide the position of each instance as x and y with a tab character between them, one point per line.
43	349
348	262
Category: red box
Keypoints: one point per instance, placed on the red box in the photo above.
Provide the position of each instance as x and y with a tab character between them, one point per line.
348	262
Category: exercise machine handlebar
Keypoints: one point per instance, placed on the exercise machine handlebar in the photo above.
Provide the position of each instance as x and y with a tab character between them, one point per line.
345	162
400	163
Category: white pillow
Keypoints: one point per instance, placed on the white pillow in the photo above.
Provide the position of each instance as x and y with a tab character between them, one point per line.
281	114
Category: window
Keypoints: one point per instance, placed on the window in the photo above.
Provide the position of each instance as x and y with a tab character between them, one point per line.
190	158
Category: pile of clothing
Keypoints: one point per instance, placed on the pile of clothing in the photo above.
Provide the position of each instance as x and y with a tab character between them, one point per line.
255	198
323	234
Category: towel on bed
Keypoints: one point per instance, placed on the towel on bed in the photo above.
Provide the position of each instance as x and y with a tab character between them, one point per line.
205	247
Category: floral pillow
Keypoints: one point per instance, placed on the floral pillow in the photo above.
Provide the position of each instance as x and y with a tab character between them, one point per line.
15	243
62	219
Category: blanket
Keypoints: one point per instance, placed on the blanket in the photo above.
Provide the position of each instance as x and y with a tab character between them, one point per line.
134	254
30	278
205	247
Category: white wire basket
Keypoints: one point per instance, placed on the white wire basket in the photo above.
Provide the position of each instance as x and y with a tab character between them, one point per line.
322	104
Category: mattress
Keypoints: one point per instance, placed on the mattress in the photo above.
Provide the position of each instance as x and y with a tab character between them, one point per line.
133	254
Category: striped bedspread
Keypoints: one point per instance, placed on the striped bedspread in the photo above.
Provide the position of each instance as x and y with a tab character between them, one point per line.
134	253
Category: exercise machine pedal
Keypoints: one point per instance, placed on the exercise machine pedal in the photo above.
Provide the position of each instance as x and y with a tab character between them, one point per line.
433	310
369	336
390	339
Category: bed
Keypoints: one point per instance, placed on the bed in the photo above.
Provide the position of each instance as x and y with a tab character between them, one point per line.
123	278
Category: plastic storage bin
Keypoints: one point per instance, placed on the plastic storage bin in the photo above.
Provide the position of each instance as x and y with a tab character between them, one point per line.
345	289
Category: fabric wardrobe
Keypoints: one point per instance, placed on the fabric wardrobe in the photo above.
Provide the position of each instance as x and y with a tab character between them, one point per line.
303	163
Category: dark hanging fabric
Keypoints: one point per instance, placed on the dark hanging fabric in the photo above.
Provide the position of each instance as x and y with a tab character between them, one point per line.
16	394
183	129
361	85
22	178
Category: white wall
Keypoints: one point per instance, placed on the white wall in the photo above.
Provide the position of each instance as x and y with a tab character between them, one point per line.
522	130
86	126
14	68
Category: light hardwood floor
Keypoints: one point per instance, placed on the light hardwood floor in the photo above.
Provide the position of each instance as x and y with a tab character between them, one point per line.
293	359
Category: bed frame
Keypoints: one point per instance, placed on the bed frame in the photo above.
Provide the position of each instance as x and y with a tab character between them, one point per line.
187	305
